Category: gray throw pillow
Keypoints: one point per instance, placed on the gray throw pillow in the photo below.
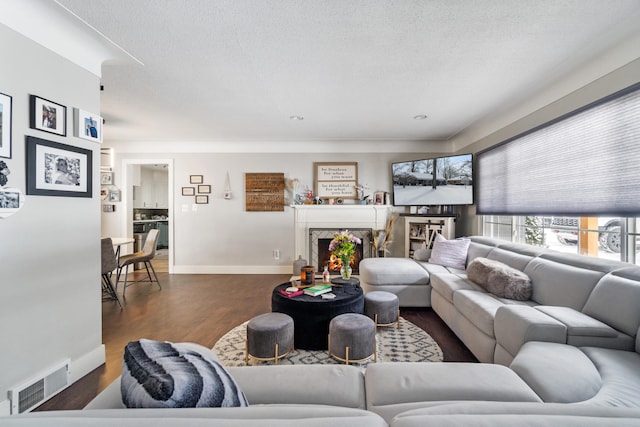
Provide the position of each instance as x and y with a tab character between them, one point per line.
499	279
422	254
158	374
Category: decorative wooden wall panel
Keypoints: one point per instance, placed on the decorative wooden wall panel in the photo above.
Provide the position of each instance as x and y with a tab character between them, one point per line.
264	192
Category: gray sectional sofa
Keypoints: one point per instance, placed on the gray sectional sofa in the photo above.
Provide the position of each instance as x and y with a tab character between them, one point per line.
576	300
569	355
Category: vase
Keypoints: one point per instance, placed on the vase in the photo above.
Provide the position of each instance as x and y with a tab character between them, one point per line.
345	269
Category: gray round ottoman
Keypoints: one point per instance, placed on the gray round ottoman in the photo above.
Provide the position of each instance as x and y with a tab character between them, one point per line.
269	337
352	338
383	307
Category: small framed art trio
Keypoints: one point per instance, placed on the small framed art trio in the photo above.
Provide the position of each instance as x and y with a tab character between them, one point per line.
199	190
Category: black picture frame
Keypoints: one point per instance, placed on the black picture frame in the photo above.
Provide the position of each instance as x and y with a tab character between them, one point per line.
55	169
204	189
56	116
188	191
6	110
202	200
196	179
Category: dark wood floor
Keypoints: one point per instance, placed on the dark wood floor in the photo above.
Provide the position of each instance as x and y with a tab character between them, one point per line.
201	309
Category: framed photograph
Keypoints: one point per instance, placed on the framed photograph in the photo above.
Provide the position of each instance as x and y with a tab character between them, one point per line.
204	189
106	178
188	191
87	125
114	195
338	179
196	179
5	125
11	200
108	208
55	169
202	200
378	198
48	116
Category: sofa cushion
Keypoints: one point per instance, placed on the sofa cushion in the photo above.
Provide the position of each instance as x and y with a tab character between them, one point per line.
620	372
499	279
450	253
512	259
555	283
623	293
393	271
578	323
479	307
558	373
159	374
447	284
393	388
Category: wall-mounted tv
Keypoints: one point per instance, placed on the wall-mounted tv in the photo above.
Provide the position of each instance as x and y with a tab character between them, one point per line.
438	181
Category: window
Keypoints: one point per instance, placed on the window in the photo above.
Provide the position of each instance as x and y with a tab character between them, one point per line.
603	237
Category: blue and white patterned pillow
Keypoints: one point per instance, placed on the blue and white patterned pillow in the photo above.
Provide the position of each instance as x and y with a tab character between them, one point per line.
158	374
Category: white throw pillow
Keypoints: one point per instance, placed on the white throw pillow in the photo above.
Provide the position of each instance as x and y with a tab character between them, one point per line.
450	253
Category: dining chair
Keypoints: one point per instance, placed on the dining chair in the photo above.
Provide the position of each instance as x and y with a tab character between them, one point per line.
109	263
144	256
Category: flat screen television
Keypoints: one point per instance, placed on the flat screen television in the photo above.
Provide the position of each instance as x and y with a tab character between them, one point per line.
437	181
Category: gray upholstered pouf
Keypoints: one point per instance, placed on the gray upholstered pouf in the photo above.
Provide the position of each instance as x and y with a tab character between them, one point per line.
352	338
269	337
383	307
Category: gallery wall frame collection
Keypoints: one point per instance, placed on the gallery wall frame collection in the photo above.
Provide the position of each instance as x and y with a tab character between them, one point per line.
203	190
53	168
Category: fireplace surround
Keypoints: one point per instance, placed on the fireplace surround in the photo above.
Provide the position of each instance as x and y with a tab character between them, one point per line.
333	218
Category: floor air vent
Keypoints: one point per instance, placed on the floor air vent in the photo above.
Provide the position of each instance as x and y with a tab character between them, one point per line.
32	393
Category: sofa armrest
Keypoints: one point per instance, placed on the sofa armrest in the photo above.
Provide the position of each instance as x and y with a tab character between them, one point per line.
515	325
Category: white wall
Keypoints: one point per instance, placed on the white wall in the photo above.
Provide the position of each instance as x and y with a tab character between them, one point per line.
50	294
221	237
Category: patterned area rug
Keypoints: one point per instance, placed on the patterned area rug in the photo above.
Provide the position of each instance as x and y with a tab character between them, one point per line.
407	344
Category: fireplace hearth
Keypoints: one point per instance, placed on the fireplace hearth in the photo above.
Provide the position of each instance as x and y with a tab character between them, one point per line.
319	239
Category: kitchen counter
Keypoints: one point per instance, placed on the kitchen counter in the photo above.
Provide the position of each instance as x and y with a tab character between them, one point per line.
145	221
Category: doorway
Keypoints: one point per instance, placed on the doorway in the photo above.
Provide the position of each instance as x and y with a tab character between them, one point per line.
147	196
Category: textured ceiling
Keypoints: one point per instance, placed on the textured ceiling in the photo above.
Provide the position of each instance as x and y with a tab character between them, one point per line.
236	70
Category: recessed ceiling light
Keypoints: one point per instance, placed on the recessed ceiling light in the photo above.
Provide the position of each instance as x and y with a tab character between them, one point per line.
296	117
420	117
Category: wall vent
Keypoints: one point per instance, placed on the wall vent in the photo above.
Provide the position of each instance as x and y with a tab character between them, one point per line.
32	393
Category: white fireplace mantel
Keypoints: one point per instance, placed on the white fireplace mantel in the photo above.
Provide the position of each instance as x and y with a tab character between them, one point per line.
334	216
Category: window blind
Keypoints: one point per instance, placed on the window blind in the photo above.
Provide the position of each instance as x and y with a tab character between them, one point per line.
586	163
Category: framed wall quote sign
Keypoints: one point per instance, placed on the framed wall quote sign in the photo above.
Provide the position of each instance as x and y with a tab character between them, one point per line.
336	179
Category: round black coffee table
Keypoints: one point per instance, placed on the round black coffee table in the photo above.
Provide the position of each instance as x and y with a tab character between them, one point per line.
311	315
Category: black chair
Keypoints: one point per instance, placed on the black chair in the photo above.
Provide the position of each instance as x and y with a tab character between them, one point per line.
145	256
109	263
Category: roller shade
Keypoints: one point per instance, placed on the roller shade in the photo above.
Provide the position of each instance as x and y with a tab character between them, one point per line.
586	163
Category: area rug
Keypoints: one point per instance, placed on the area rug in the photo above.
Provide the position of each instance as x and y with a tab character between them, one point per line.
409	343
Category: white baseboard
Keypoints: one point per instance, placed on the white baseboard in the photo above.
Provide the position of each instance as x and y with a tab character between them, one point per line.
232	269
5	408
87	363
